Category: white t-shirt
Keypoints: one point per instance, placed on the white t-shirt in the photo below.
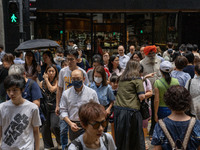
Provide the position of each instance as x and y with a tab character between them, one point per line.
65	77
17	124
111	144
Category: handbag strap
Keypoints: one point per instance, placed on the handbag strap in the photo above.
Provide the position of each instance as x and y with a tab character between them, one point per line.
167	134
189	85
163	83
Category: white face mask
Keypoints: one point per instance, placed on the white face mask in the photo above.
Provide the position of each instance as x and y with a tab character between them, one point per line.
98	79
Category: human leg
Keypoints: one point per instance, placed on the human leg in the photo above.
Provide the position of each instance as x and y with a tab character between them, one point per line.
63	134
55	126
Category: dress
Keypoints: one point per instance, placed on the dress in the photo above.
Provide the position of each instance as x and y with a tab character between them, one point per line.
127	117
17	127
177	130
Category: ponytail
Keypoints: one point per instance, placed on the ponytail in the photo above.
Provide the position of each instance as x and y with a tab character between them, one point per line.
167	77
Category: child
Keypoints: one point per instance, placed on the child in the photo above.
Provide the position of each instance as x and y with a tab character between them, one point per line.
178	99
114	79
19	118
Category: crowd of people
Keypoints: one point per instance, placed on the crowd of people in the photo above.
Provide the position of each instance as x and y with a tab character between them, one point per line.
62	94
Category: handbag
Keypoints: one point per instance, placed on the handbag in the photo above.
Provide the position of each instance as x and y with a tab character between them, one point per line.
144	110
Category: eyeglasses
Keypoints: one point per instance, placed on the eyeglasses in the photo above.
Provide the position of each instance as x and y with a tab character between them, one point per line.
97	124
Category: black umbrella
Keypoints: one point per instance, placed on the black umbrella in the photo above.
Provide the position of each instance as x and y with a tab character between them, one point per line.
37	44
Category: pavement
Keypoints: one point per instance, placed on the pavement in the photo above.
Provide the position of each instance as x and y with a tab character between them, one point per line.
109	131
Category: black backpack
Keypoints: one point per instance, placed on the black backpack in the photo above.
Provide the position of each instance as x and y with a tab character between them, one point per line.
79	146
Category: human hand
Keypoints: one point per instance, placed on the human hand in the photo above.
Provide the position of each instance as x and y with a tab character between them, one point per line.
57	110
108	111
38	68
150	75
74	127
45	76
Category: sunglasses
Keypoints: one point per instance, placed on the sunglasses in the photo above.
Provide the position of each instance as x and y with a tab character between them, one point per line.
97	124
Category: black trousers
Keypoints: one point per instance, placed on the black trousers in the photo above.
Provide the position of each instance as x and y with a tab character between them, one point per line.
52	125
128	129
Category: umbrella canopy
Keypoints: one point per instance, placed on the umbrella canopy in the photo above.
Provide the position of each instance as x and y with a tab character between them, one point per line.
37	44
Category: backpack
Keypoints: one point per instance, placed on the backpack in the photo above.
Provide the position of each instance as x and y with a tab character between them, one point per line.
178	145
79	146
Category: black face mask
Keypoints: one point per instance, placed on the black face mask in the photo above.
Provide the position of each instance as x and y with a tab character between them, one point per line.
77	84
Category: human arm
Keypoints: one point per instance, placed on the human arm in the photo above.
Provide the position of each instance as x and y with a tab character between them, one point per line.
109	108
156	103
36	137
58	97
148	94
37	102
51	88
198	148
157	147
73	125
150	75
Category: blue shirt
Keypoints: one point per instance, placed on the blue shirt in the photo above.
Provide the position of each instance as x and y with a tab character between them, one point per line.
181	76
104	93
123	61
34	93
19	61
177	130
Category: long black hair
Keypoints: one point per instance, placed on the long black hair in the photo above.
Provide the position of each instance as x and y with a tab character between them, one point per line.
34	63
110	65
167	77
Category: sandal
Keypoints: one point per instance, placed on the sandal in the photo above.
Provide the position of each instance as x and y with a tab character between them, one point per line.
146	145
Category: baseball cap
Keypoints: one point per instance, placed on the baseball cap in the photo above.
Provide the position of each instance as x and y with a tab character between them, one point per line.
166	66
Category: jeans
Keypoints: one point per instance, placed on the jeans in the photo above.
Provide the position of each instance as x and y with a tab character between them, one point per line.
63	134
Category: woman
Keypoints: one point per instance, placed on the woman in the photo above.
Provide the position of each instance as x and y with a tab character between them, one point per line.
136	56
190	67
160	87
93	120
127	117
106	58
48	60
178	99
104	91
49	87
7	61
114	66
30	66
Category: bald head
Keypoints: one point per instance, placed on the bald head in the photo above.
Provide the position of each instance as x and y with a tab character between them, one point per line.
77	74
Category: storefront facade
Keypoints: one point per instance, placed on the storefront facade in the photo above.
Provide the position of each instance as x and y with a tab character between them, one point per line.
106	24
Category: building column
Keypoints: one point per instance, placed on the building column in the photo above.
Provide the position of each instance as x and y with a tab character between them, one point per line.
2	39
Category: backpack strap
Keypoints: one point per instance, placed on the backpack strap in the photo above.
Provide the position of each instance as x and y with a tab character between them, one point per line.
167	134
77	144
84	62
188	132
189	85
105	140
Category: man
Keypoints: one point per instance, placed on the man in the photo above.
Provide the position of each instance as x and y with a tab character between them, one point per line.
2	53
132	50
64	82
32	90
123	59
142	51
71	101
72	44
59	56
18	57
151	64
167	55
